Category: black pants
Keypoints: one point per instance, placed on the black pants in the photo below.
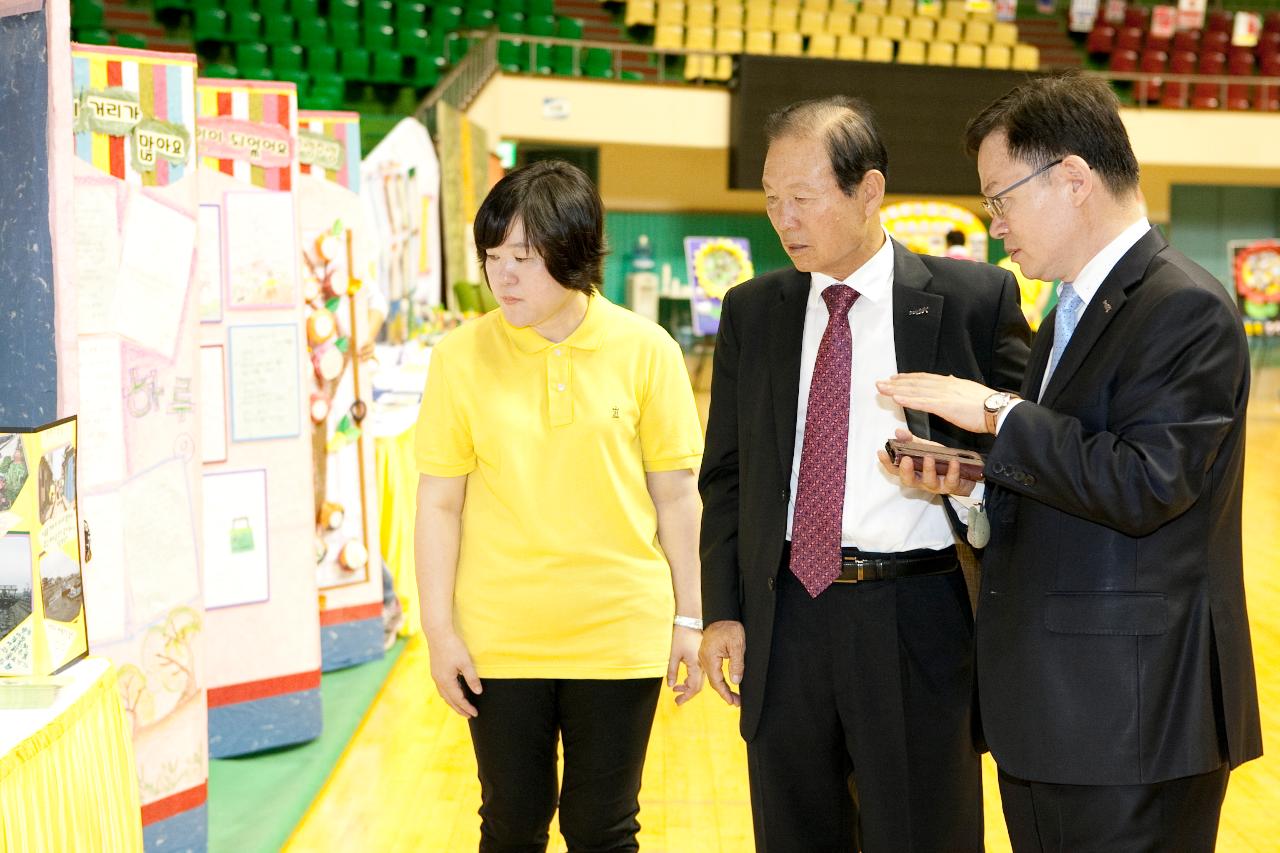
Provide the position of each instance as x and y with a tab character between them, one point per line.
605	726
1177	816
866	735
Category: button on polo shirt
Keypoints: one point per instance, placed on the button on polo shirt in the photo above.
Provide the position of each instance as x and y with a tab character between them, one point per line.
560	574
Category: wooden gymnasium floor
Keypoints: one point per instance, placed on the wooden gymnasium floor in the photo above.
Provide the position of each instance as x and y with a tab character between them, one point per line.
407	781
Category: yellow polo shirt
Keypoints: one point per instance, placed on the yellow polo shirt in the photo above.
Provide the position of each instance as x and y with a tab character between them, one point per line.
560	574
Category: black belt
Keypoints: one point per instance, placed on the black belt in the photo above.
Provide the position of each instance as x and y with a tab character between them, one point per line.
857	566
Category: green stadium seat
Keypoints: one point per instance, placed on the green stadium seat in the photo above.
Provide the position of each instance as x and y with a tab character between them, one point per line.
252	59
388	66
511	22
244	27
346	34
95	35
412	41
238	7
286	58
506	6
301	79
540	25
458	47
273	7
86	14
322	59
446	18
378	12
563	60
325	98
410	16
329	80
313	32
220	70
171	13
598	63
131	40
513	56
353	63
477	18
541	7
542	59
381	37
569	28
426	69
210	25
278	30
302	9
630	75
344	10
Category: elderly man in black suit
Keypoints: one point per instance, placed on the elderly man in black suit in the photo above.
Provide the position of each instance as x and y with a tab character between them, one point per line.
1114	665
833	594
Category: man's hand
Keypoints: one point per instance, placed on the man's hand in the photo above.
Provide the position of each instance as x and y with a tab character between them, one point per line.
449	660
721	641
684	648
959	401
927	477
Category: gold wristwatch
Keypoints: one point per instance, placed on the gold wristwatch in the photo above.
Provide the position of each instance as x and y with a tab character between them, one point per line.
994	405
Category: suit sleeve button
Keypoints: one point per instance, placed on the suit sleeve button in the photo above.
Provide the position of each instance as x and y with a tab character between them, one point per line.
770	582
1031	479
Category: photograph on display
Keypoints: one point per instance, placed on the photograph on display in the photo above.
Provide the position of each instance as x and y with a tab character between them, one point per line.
714	264
1255	269
13	470
260	249
17	601
236	560
57	482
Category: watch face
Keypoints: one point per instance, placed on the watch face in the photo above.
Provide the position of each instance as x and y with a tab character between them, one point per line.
996	402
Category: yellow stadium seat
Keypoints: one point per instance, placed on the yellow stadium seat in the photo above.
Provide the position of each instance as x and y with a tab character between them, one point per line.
729	41
668	36
695	66
941	53
977	32
816	6
724	67
787	4
866	24
670	12
911	52
730	18
949	30
879	49
852	47
902	8
699	15
969	56
892	27
1026	57
788	44
875	7
813	22
699	38
839	23
785	20
932	9
641	12
998	56
1004	32
822	46
955	10
921	29
759	41
759	18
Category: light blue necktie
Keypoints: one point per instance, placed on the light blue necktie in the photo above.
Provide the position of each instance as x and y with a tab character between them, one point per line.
1064	325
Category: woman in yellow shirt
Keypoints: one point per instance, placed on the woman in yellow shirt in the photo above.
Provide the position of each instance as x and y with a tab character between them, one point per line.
557	525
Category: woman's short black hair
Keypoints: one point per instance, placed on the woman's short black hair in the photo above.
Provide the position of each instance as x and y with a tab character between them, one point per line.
1048	118
846	126
562	216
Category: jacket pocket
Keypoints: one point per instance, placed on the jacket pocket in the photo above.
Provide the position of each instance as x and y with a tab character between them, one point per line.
1131	614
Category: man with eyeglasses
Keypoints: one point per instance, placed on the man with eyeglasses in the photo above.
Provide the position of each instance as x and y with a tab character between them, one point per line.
1115	672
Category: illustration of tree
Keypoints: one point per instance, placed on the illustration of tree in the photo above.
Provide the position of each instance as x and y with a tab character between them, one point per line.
137	699
169	645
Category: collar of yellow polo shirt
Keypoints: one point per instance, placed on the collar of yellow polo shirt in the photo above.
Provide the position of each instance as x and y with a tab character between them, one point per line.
560	574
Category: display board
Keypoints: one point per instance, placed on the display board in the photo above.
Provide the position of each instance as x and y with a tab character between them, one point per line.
134	230
263	619
344	304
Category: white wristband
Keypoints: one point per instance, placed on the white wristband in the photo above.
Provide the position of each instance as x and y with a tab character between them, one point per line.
689	622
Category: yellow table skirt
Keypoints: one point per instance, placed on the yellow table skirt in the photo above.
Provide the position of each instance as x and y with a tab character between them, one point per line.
72	785
397	478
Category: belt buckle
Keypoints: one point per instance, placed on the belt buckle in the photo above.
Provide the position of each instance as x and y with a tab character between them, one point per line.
859	567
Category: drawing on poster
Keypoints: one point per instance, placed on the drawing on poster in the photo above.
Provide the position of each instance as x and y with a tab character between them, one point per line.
155	273
13	469
101	438
213	414
16	604
97	240
266	397
209	263
236	564
260	249
161	556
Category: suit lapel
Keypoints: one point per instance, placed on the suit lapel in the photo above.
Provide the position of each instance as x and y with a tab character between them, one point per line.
1038	360
786	336
917	319
1103	308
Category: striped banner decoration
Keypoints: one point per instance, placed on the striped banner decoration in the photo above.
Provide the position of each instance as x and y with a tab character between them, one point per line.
329	146
164	87
248	129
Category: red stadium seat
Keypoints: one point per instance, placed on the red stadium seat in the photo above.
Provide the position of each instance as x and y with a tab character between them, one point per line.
1154	61
1157	42
1123	60
1268	45
1101	39
1182	62
1204	96
1173	95
1129	38
1271	22
1136	16
1267	98
1186	40
1215	40
1240	62
1212	63
1238	96
1219	21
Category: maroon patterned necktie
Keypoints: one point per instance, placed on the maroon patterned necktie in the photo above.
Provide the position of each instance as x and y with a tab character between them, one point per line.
817	523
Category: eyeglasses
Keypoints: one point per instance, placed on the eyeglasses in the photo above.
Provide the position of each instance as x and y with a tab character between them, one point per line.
994	204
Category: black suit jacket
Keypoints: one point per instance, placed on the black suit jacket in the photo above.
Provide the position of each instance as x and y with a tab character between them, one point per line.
949	316
1112	640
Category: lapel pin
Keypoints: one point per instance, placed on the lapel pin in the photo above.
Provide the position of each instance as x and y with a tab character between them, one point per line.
916	312
1106	307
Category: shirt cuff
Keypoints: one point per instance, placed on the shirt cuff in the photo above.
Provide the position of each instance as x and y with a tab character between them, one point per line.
1004	413
962	503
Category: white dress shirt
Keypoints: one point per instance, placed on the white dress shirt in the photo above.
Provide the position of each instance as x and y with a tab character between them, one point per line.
879	515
